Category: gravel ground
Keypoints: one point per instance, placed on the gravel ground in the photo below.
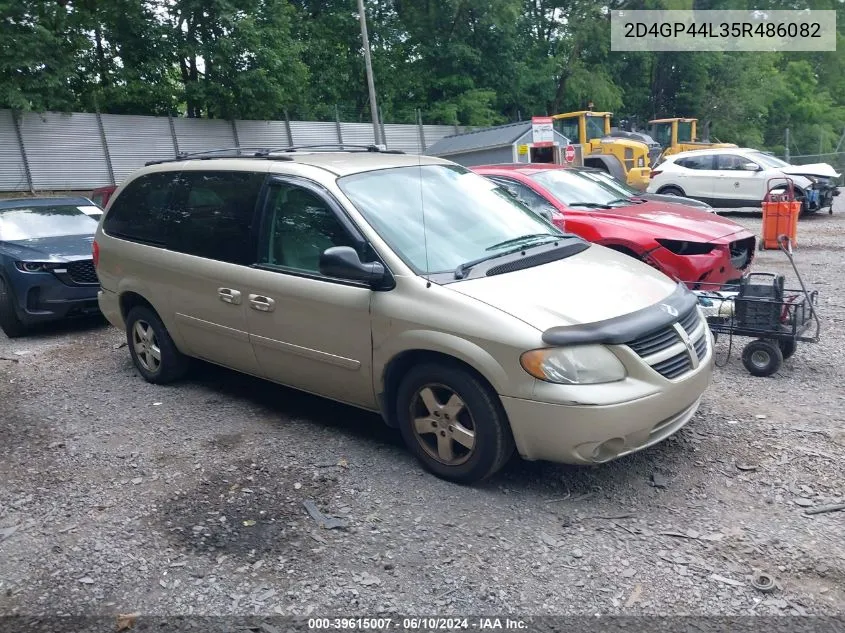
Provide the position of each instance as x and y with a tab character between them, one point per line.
117	496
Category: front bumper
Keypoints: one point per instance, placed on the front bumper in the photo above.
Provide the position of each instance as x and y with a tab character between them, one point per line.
54	301
639	177
725	263
592	434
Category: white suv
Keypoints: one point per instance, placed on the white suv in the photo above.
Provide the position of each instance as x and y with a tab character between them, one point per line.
740	177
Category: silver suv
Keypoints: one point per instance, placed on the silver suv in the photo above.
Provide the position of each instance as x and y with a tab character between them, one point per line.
408	286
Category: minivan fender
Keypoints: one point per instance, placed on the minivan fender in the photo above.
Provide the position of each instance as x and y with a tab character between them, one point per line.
393	357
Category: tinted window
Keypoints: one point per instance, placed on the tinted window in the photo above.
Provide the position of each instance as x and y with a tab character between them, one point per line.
25	223
141	211
696	162
300	226
567	127
213	213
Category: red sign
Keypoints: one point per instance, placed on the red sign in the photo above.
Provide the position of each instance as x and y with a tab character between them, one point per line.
569	153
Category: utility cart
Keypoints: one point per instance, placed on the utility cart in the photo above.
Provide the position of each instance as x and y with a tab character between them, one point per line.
760	307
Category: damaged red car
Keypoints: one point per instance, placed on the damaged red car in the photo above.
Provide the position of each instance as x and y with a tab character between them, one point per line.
687	244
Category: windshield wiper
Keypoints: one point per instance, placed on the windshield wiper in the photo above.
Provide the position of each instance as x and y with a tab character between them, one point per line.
620	200
522	238
588	205
462	270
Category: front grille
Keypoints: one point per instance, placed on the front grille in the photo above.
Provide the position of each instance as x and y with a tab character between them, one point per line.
82	272
675	366
741	252
667	338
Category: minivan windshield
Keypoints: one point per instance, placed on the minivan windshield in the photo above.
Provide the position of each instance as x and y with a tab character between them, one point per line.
577	190
26	223
439	217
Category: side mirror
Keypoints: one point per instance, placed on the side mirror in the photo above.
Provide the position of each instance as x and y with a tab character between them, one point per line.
751	167
343	262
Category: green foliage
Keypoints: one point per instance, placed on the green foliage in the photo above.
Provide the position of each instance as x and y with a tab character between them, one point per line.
470	62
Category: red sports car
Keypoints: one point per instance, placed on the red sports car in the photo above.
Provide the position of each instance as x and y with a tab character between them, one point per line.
690	245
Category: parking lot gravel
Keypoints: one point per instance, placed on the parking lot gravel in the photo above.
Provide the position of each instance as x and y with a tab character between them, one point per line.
117	496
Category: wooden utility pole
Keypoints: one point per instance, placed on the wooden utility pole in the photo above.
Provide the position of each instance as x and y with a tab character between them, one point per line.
371	85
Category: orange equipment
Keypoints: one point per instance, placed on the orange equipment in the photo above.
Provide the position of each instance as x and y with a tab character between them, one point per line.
780	215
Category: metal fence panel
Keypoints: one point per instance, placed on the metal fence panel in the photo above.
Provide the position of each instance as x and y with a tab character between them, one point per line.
134	140
201	135
434	133
313	132
269	134
65	151
403	137
12	170
357	133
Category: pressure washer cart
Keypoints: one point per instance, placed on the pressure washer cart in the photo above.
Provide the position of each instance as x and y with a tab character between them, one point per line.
763	309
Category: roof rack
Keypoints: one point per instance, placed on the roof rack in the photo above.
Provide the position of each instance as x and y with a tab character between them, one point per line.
269	153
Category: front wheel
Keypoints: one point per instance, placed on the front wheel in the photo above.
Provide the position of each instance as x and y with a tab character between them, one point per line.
672	191
10	323
762	357
453	423
153	351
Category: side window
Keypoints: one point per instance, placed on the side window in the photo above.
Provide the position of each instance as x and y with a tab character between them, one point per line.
697	162
213	215
527	196
300	225
731	162
141	212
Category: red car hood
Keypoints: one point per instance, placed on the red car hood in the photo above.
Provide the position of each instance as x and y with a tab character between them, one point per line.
671	221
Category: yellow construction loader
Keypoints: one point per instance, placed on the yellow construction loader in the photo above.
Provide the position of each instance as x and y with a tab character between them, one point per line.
678	134
622	154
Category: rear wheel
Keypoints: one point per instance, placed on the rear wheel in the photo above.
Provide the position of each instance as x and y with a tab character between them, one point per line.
10	323
153	351
453	423
762	357
787	348
672	191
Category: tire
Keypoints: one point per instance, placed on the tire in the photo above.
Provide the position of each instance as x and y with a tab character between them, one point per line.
672	191
10	323
762	357
153	351
787	348
426	394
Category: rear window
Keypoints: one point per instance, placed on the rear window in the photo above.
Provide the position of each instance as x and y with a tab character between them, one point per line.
205	213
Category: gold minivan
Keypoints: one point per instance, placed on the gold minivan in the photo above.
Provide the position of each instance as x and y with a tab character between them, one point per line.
408	286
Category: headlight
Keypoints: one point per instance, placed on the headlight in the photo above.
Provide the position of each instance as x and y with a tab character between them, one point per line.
36	267
682	247
581	365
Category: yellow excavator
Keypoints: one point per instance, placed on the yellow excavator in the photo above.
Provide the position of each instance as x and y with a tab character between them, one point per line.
623	155
679	134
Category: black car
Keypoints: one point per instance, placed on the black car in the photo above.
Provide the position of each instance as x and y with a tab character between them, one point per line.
46	264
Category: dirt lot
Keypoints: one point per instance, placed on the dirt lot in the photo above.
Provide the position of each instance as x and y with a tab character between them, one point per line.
118	496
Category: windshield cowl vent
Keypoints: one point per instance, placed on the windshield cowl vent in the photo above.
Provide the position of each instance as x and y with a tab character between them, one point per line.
538	259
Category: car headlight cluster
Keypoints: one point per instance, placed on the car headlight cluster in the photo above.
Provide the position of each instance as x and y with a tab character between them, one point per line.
37	267
578	365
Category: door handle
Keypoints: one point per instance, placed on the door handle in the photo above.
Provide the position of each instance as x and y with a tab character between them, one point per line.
261	303
227	295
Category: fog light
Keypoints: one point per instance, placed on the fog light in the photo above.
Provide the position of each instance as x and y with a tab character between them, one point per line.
609	449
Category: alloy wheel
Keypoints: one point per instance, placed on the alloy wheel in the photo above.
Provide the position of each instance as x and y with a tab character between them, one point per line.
146	346
443	424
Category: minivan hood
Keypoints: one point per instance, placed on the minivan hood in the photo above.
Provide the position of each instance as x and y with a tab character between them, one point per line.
685	223
822	170
63	248
593	285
